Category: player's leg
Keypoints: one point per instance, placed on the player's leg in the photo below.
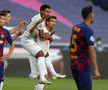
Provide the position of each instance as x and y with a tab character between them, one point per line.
1	84
75	77
34	49
33	66
83	79
52	70
42	67
39	86
37	66
1	75
35	72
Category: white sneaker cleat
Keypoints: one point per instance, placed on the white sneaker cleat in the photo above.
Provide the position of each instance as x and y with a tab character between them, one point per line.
45	82
58	76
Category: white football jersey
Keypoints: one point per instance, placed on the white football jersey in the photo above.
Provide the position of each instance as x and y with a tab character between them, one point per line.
33	21
44	44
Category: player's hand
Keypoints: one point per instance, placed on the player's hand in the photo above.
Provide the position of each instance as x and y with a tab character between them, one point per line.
20	32
97	74
3	58
39	21
22	24
35	32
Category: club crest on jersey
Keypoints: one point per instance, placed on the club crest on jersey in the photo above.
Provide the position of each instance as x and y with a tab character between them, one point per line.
2	36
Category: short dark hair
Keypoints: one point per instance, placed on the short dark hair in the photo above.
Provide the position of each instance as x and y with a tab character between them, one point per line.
6	11
86	11
2	14
44	6
51	17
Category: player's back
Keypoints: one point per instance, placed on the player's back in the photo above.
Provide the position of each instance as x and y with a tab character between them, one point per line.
80	41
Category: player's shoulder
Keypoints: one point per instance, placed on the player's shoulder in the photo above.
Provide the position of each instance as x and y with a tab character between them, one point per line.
76	27
6	30
89	30
37	16
86	28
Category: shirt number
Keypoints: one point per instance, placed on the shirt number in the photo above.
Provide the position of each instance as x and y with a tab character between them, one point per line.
73	43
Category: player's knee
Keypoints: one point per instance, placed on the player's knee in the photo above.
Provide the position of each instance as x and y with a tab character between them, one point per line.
40	54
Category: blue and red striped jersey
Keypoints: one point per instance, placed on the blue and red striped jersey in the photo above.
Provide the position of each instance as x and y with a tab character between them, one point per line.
4	36
82	37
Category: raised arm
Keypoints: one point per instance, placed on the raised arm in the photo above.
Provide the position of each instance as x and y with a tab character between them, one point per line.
18	27
32	29
17	34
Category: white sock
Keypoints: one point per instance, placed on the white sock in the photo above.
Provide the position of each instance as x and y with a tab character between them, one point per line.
39	87
50	67
1	85
42	67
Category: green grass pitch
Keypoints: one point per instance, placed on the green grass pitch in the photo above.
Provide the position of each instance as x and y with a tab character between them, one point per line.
61	84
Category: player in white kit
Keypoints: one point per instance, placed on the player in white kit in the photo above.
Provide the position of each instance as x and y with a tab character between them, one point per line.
44	12
45	44
29	43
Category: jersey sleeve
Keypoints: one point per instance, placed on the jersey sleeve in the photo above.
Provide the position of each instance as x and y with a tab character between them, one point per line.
41	25
8	36
31	23
89	37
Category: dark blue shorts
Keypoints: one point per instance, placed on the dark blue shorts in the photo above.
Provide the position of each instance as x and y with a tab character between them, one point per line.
1	71
83	79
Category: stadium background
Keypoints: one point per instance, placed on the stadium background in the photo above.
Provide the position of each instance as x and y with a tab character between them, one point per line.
68	13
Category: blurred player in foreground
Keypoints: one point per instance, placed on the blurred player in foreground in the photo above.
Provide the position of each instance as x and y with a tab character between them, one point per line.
82	52
4	36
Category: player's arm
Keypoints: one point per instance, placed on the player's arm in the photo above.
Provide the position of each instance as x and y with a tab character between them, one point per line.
33	28
17	35
94	61
89	37
4	58
18	27
45	36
